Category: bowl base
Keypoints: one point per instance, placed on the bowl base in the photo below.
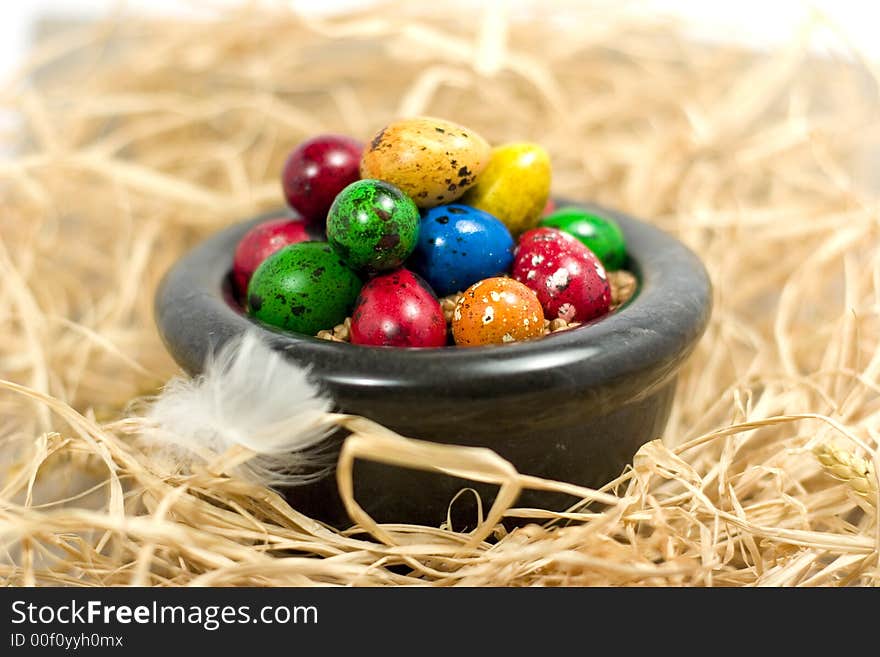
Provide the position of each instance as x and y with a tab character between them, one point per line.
594	453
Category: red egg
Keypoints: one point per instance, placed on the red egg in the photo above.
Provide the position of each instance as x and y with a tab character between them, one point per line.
546	234
259	243
567	277
549	207
398	309
316	171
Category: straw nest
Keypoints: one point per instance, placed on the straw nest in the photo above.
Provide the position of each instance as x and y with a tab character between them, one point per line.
129	141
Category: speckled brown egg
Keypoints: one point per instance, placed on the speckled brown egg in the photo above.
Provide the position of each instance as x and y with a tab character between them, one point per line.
496	311
433	161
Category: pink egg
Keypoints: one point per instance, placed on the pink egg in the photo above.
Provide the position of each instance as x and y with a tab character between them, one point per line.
398	309
259	243
567	277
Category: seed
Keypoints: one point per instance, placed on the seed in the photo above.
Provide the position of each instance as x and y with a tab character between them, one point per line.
623	286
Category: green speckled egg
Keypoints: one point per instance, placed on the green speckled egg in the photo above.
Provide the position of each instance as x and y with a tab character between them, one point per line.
600	234
373	226
303	288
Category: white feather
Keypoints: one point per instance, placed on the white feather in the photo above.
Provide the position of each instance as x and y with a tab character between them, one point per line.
248	396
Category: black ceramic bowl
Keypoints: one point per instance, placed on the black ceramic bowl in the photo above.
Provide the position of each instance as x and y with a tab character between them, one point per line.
573	406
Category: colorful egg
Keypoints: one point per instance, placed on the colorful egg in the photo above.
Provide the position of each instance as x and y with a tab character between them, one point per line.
600	234
460	245
398	309
567	277
432	160
316	171
373	225
259	243
496	311
303	288
514	187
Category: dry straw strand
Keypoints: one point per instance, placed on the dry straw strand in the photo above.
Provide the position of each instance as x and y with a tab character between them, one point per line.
850	468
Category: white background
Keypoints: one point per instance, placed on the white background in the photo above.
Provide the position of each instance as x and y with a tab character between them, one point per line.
754	22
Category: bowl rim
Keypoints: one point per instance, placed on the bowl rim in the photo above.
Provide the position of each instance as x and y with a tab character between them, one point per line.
647	336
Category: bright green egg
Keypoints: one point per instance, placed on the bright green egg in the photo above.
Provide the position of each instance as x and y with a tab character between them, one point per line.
600	234
303	288
373	226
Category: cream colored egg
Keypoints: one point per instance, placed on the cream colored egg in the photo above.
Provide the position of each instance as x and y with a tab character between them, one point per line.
431	160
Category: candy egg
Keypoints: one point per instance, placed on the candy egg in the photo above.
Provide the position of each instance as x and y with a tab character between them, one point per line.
600	234
259	243
303	287
373	225
496	311
567	277
460	245
398	309
432	160
316	171
514	187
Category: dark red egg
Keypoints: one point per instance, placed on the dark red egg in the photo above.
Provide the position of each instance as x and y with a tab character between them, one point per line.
398	309
567	277
316	171
259	243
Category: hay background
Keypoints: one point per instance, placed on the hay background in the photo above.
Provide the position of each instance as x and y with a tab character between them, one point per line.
136	139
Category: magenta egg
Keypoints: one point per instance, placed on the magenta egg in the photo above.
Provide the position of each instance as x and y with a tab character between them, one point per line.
316	171
567	277
398	309
259	243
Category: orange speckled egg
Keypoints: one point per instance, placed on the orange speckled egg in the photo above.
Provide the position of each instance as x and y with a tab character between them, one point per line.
496	311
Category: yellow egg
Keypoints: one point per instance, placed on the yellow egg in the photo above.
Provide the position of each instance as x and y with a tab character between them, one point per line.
514	187
433	161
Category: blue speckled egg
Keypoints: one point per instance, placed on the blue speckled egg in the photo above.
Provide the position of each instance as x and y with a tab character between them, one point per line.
460	245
